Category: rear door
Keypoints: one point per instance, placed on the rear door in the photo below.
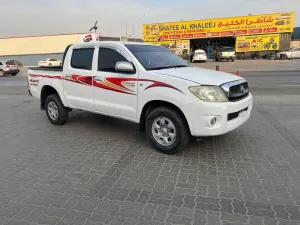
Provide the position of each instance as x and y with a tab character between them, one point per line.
115	93
78	79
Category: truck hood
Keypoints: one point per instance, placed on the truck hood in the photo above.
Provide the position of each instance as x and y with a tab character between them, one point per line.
199	75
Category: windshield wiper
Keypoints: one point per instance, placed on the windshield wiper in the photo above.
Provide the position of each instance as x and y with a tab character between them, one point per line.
167	67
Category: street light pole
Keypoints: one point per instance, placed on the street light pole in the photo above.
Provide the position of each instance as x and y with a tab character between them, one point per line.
133	33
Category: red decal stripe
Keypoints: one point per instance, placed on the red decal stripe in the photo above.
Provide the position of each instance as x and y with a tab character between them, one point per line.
100	85
160	84
118	81
46	76
88	80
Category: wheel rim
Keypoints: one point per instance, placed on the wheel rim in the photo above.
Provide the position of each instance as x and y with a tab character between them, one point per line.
1	73
164	131
52	110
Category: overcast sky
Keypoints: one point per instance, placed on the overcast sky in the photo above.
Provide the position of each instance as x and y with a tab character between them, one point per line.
40	17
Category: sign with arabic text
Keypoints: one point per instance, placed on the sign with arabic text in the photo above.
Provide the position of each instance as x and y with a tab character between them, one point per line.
257	43
224	27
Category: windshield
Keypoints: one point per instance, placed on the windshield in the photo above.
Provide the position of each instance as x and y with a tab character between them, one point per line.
154	57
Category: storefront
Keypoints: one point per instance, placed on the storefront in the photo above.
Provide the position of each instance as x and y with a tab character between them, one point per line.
252	33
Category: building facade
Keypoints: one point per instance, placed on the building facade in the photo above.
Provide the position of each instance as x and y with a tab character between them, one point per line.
29	50
253	33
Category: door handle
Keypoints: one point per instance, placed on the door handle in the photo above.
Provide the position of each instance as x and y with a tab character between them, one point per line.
98	79
68	76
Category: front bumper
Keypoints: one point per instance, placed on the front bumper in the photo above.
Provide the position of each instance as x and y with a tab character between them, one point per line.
229	116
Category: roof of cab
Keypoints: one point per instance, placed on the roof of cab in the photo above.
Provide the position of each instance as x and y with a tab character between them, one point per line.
120	43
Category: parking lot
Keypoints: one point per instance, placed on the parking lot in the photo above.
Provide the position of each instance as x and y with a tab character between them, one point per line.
99	170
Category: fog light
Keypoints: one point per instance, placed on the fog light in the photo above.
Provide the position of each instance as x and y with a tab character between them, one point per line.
213	121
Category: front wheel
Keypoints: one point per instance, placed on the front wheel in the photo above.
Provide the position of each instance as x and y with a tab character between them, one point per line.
167	131
56	112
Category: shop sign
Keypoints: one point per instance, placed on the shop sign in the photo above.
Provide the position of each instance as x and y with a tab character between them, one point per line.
224	27
257	43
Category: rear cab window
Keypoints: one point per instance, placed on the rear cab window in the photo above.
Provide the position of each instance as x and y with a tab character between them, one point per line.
82	58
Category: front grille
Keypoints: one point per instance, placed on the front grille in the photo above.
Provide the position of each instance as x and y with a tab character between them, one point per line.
232	116
238	92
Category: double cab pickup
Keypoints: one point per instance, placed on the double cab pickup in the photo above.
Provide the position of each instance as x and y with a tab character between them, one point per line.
146	84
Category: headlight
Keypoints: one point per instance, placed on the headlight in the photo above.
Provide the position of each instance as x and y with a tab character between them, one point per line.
209	93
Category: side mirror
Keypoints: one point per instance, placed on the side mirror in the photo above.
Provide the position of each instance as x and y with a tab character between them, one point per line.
125	67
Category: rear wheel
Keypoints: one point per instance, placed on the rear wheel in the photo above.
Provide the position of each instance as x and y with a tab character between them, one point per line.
232	59
2	73
56	112
14	74
167	130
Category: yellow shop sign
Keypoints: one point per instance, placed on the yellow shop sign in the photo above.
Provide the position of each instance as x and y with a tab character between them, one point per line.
222	27
257	43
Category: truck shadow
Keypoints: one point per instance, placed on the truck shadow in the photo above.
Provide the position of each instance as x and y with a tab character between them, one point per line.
125	130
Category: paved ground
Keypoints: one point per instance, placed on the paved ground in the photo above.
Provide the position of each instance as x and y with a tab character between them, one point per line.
97	170
253	65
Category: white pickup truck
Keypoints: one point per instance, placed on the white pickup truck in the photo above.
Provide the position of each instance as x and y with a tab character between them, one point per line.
146	84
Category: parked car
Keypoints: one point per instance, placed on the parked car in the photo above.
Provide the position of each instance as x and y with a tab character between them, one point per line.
50	63
199	56
227	53
145	84
292	53
8	67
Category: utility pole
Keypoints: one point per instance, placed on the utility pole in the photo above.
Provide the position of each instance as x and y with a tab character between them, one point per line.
133	33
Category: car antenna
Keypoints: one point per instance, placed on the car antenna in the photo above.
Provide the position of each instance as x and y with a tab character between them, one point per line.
94	27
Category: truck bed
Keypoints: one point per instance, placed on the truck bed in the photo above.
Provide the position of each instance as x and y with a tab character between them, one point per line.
47	69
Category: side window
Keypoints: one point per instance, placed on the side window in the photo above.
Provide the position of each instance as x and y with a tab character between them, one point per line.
108	58
82	58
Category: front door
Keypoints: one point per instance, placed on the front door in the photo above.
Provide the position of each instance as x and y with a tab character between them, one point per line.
114	93
78	80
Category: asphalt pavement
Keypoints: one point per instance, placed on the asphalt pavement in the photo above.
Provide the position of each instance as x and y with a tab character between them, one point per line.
99	170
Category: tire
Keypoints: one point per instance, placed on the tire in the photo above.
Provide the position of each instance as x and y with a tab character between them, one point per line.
14	74
232	59
62	112
181	130
2	73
